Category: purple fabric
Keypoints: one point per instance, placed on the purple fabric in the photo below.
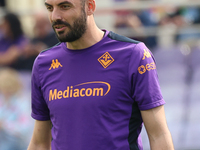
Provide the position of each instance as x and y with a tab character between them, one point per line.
89	94
5	44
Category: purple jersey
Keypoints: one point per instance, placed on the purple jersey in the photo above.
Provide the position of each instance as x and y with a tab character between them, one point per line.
93	96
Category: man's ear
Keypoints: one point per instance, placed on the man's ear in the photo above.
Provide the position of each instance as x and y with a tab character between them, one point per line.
91	6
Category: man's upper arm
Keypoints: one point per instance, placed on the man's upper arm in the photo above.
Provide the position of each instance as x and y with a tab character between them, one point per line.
157	130
41	138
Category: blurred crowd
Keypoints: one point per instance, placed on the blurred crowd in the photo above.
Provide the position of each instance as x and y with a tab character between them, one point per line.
173	21
15	122
18	52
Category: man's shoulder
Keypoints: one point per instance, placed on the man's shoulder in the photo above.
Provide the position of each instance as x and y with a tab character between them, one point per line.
57	46
121	38
126	44
48	54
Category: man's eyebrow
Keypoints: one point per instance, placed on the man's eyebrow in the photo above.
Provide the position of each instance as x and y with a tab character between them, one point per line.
46	4
65	2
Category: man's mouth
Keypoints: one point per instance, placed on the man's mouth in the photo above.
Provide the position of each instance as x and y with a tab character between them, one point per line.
59	27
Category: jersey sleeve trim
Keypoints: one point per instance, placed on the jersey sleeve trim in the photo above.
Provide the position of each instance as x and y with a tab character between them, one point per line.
38	117
152	105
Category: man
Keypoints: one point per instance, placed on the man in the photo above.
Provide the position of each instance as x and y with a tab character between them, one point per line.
95	87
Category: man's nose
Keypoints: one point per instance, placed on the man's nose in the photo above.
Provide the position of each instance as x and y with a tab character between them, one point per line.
55	15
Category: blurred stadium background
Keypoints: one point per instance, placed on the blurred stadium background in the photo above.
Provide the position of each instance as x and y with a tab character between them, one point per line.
170	28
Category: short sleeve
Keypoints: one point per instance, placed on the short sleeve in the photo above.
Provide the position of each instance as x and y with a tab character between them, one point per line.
40	110
146	90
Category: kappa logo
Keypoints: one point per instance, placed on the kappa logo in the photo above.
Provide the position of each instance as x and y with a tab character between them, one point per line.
146	54
55	64
106	59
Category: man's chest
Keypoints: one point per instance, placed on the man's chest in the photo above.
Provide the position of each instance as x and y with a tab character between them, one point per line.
97	81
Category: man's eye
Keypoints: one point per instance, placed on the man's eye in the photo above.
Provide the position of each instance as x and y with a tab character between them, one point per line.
49	8
65	6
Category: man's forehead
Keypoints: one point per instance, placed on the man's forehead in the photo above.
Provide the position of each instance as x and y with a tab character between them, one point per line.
56	2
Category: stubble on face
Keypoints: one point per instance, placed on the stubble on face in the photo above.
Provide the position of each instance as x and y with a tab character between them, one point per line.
76	30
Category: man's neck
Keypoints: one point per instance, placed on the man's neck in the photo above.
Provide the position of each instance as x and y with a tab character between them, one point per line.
88	39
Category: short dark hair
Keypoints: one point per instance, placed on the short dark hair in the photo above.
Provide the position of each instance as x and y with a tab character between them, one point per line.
15	24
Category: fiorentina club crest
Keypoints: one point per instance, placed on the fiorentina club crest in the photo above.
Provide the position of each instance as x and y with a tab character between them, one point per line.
106	59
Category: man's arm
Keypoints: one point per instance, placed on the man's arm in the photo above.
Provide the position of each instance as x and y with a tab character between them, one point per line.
41	139
157	130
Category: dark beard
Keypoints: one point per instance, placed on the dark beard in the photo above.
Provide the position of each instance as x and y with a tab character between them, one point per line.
76	31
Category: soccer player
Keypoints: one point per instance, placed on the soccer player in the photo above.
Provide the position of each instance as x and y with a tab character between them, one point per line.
94	89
